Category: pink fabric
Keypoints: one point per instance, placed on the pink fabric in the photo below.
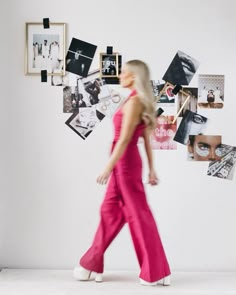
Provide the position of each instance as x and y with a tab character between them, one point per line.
125	201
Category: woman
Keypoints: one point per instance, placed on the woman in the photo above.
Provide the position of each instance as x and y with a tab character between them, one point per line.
125	199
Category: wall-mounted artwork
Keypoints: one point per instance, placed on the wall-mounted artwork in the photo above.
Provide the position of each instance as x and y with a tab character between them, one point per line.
108	105
181	70
191	104
211	91
86	92
45	48
95	87
109	65
205	148
166	99
191	124
162	136
157	86
226	166
79	57
84	121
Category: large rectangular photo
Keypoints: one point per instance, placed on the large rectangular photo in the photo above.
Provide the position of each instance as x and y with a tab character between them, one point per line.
45	48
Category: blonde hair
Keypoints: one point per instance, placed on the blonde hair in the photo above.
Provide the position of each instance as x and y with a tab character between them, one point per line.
142	85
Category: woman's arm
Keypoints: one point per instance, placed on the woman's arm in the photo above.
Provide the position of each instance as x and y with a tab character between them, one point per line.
131	118
153	179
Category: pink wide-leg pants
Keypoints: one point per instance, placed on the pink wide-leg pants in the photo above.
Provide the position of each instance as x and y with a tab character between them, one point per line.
125	201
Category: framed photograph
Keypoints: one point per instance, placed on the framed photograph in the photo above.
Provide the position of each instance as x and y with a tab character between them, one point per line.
109	65
45	48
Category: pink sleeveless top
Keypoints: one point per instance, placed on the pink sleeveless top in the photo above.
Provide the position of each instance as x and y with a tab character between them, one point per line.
117	122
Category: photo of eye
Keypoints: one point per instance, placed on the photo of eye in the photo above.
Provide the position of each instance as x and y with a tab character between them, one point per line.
191	124
181	70
205	148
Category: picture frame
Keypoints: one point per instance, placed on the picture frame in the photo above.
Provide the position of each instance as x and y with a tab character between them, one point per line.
45	48
109	65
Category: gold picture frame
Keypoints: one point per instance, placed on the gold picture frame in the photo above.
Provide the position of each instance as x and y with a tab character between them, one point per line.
45	48
109	65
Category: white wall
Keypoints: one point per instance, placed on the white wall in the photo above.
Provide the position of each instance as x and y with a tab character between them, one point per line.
49	202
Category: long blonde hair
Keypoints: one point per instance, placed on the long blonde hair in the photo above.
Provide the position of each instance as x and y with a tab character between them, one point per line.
142	85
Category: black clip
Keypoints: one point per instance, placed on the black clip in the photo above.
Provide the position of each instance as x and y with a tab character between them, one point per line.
159	111
176	89
109	49
46	23
44	76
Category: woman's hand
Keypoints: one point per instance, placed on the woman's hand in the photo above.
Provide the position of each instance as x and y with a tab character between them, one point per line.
152	178
103	177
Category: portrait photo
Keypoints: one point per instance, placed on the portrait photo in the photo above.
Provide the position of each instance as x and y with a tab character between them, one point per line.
45	48
181	70
191	124
73	99
205	148
211	91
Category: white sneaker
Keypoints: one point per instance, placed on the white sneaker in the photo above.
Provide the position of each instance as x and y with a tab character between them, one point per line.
165	282
82	274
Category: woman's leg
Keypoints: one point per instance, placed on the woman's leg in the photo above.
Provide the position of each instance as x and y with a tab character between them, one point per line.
146	239
112	221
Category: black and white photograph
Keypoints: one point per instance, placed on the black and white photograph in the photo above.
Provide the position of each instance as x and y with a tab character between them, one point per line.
191	124
45	49
79	57
73	99
225	167
181	70
211	91
157	86
191	103
87	91
84	121
109	65
95	87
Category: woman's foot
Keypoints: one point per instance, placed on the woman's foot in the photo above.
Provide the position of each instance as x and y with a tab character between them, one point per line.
165	282
82	274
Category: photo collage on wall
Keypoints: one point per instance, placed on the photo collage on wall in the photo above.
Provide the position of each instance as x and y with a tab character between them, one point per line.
90	95
184	107
87	94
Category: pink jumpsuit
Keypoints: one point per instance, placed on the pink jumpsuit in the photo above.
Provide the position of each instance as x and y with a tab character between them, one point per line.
125	201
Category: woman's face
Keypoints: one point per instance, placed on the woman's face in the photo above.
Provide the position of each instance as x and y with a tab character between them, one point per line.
126	77
207	148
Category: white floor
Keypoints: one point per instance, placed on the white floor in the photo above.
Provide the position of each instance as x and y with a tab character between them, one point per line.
61	282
